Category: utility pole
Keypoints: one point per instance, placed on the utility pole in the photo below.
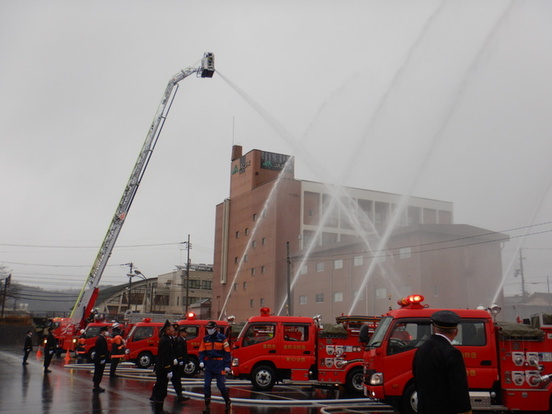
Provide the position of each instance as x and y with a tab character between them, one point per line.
289	301
130	274
188	246
523	293
6	284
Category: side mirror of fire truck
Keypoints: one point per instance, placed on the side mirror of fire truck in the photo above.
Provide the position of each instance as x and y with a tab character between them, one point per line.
364	335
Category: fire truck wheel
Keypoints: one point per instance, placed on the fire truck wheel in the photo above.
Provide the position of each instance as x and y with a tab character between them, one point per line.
191	368
144	360
409	400
263	378
355	380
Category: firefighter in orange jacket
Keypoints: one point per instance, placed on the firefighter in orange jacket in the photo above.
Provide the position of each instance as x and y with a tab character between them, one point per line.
214	358
81	347
117	349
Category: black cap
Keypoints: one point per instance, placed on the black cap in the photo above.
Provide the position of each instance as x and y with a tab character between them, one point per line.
182	328
211	325
167	324
104	328
445	319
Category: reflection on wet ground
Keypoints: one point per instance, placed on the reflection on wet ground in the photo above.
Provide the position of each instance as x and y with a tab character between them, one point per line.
68	389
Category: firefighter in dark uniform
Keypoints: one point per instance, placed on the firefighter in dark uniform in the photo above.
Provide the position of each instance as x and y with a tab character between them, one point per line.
27	346
164	366
439	370
181	354
50	346
100	358
214	358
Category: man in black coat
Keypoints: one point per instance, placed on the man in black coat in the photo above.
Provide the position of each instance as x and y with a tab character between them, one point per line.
100	357
181	355
439	370
27	346
164	366
50	347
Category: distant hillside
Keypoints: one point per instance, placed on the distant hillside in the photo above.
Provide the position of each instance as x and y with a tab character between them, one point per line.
37	300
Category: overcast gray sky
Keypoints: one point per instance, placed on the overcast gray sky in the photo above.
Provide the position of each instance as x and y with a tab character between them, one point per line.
448	100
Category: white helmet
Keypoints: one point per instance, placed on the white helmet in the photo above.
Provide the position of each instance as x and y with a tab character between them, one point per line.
115	325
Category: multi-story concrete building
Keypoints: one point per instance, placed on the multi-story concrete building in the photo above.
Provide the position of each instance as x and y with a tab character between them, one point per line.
165	294
330	248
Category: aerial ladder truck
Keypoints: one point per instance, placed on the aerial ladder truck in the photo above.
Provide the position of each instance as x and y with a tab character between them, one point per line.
67	328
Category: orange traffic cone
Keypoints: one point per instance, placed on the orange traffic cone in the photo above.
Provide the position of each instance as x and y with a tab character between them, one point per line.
67	357
39	353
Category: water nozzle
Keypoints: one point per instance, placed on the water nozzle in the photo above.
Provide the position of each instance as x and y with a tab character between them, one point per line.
207	68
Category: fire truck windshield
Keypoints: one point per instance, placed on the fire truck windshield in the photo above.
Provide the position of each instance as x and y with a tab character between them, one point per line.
379	333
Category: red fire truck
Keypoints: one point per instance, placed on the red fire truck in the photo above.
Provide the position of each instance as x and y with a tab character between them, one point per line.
143	340
91	333
64	330
276	348
506	363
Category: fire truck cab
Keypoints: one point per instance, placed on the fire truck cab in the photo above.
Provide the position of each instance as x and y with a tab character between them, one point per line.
504	363
270	349
143	340
91	333
64	330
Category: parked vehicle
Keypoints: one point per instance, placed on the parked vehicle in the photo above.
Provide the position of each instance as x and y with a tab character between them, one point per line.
143	340
508	364
272	349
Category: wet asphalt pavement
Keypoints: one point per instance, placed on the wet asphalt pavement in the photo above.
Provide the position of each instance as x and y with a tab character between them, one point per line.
68	389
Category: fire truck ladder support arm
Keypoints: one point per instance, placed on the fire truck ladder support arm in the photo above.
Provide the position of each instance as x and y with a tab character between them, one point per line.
87	296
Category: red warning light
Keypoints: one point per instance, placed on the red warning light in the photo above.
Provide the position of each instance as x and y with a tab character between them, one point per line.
191	316
415	300
265	311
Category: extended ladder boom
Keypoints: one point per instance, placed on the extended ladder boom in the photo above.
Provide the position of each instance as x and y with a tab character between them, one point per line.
89	292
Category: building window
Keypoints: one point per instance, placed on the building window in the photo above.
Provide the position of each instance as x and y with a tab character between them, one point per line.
436	290
245	258
237	235
319	298
244	285
358	261
261	302
254	217
263	269
304	269
235	286
405	253
207	284
338	264
338	296
264	241
251	303
254	243
381	293
236	260
247	231
303	300
252	271
320	266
